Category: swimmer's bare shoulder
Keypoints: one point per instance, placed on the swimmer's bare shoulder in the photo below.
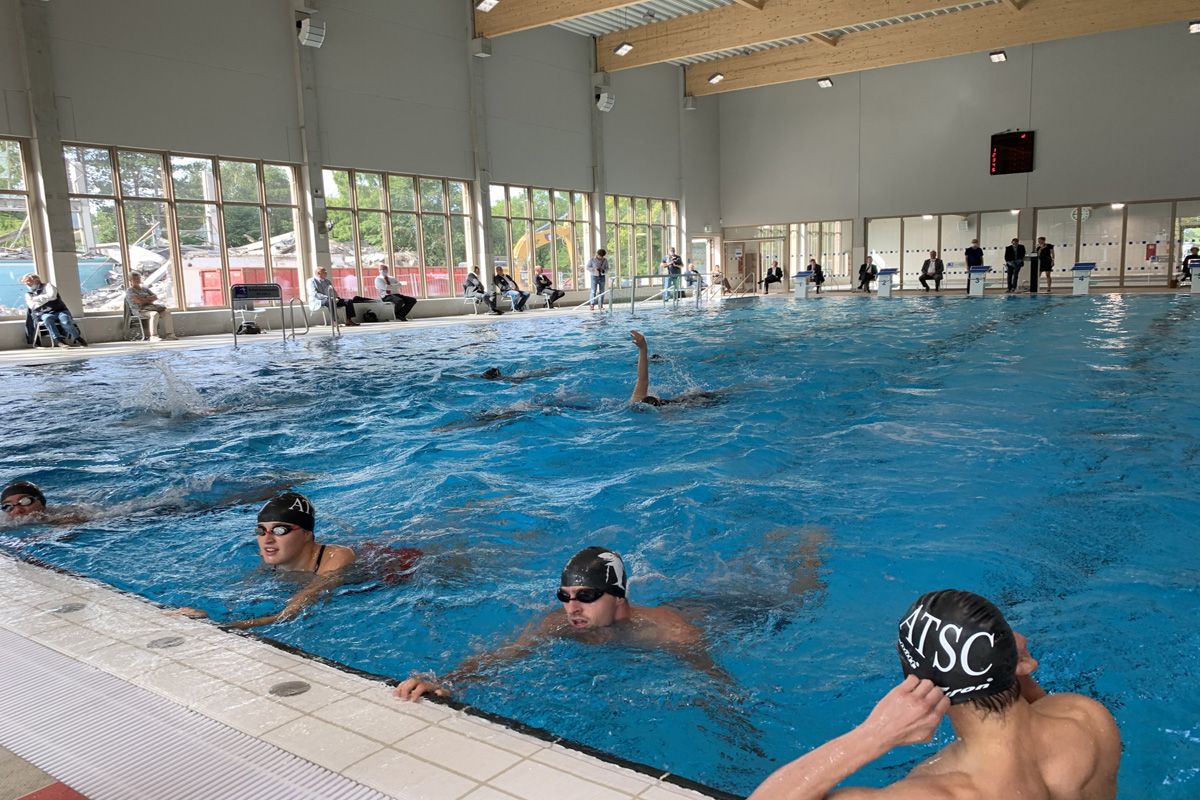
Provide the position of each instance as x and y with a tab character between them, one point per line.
337	557
1079	746
665	625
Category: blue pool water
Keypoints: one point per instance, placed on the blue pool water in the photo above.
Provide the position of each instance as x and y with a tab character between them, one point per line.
1041	451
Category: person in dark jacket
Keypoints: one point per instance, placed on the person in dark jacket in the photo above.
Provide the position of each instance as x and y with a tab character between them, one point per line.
42	304
818	274
774	275
933	267
473	289
867	272
974	255
508	285
1045	259
1014	259
1190	262
545	286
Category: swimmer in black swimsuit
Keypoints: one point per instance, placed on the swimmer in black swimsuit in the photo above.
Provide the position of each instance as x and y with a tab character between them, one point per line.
286	543
641	388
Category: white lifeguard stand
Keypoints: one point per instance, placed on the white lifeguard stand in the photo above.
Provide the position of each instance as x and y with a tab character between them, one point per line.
1081	277
977	280
884	287
801	283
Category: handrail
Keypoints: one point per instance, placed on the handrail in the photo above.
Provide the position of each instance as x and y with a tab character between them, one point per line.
335	327
292	314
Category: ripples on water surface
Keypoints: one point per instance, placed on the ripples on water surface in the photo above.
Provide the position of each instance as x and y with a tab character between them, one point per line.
1041	451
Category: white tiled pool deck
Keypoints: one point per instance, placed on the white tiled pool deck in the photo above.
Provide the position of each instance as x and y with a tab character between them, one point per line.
346	723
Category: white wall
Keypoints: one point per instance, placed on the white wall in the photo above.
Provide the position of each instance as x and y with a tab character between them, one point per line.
14	103
209	78
641	133
1116	119
538	86
701	165
393	86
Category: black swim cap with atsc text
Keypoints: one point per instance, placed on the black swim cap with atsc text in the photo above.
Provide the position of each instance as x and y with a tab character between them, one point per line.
290	507
961	642
597	568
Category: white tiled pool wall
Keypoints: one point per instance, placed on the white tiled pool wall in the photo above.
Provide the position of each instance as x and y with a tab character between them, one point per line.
345	722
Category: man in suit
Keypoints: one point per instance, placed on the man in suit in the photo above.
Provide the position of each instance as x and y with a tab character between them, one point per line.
1045	259
1014	259
932	268
867	272
774	275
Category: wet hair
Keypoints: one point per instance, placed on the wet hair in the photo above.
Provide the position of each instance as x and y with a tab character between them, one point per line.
491	373
651	400
997	703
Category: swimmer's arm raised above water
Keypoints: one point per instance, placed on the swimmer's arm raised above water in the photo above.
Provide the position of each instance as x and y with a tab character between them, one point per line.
642	387
908	714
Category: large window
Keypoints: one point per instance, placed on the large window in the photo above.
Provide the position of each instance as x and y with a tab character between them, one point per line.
420	227
904	242
16	236
189	225
539	229
639	232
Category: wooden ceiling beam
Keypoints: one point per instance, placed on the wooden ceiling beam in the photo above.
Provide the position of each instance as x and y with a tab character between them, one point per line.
979	30
731	28
757	5
821	38
513	16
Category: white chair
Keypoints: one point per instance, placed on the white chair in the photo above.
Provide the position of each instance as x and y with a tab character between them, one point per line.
135	324
246	312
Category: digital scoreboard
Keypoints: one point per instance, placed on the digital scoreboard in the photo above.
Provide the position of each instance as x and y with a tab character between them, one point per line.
1012	152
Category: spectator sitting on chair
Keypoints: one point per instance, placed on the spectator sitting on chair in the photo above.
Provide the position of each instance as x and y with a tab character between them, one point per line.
867	272
545	286
42	304
508	285
932	268
774	275
818	274
720	280
388	289
321	294
1190	261
693	276
473	289
146	303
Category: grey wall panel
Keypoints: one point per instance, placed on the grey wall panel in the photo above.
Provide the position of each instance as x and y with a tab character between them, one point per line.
164	74
641	134
701	165
538	88
790	152
392	83
1118	117
13	122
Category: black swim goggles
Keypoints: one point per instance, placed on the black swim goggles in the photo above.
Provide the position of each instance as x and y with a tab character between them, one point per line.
278	529
585	595
24	501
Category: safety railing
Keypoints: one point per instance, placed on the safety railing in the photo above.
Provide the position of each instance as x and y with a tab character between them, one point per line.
292	314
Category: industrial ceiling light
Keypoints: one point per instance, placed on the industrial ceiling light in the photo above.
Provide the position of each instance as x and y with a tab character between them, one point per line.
689	103
486	5
927	217
1016	212
998	56
716	78
623	49
1194	27
312	33
825	83
1117	206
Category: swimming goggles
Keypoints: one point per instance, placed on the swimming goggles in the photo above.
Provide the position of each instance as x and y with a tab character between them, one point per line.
24	501
583	595
278	529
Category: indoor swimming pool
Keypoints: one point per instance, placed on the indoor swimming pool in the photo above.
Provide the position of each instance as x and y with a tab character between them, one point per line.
1041	451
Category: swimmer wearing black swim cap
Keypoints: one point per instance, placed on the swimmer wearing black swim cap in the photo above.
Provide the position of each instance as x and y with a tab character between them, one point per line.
962	659
594	609
21	499
286	543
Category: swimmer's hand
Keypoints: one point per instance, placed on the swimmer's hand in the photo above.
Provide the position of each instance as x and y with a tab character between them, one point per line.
190	613
638	339
908	714
416	686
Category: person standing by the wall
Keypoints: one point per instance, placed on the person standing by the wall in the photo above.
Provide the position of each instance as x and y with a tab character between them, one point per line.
974	255
1014	259
597	268
1045	259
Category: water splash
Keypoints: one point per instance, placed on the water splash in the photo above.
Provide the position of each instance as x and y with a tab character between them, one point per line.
168	395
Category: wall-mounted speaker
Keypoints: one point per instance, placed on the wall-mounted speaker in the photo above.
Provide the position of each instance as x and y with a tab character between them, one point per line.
605	100
312	33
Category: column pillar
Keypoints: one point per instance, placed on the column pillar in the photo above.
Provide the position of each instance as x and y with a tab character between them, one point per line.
599	178
481	182
54	238
314	217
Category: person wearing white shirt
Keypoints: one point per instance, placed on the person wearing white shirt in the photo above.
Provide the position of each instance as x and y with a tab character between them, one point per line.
321	294
597	268
388	289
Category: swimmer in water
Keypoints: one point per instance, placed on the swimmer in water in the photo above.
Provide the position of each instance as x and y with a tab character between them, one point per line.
286	543
641	387
494	374
961	658
595	610
22	501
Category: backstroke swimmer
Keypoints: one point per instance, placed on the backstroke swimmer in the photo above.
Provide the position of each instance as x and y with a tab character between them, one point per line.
595	610
286	544
641	386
